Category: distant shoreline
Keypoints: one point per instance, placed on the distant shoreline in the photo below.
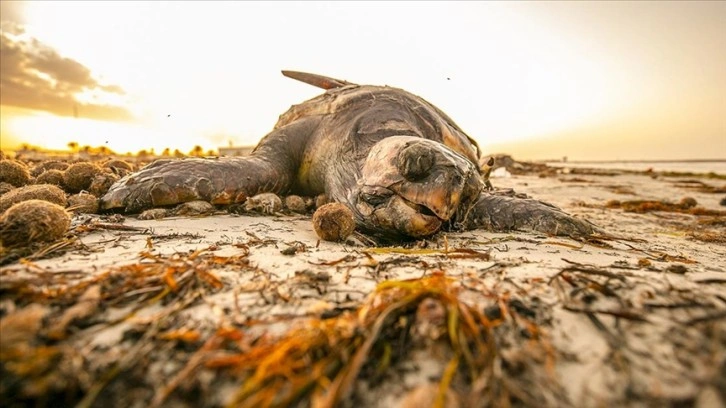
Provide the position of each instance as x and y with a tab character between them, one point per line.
633	161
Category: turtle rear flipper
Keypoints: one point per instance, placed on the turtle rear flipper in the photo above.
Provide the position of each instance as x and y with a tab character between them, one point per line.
320	81
270	168
502	213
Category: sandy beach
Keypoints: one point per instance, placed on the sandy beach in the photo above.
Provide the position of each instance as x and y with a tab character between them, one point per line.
253	310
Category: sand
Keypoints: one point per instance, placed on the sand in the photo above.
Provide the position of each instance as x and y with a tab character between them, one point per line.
158	312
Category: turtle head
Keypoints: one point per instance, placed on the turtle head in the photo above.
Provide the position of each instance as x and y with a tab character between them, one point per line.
411	187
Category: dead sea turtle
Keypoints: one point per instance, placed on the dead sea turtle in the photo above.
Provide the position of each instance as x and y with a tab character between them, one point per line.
400	164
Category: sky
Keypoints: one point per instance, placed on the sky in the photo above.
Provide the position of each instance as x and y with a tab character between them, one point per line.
538	80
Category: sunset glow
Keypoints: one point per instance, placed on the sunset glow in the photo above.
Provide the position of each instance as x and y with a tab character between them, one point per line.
587	80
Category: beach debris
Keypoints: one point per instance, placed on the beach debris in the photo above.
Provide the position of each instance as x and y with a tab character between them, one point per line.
120	167
321	360
687	205
430	396
193	208
86	305
647	323
453	253
14	172
47	165
153	214
708	229
511	166
296	204
33	220
79	176
22	326
101	183
46	192
5	187
265	203
333	222
52	176
293	248
619	189
700	186
83	203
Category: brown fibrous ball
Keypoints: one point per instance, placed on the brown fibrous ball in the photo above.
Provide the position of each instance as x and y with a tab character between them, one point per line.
5	187
333	222
48	165
79	176
83	203
688	202
14	172
296	204
51	176
101	183
33	221
118	164
45	192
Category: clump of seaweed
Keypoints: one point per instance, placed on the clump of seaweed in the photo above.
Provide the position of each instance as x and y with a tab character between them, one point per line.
318	363
49	306
700	186
708	229
687	205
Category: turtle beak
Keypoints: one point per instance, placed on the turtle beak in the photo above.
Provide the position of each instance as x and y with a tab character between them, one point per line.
400	215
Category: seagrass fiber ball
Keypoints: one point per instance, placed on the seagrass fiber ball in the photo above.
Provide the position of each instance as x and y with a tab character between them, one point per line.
33	221
333	222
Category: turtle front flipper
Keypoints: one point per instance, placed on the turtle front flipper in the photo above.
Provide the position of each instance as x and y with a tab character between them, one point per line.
271	167
502	213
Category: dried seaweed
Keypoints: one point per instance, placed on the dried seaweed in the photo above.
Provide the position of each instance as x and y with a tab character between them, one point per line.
455	253
320	360
700	186
685	206
37	251
33	367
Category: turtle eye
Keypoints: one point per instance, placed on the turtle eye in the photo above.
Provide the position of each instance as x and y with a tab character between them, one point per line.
375	196
415	161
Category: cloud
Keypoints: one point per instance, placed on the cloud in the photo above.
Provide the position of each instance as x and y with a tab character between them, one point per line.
35	76
12	11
